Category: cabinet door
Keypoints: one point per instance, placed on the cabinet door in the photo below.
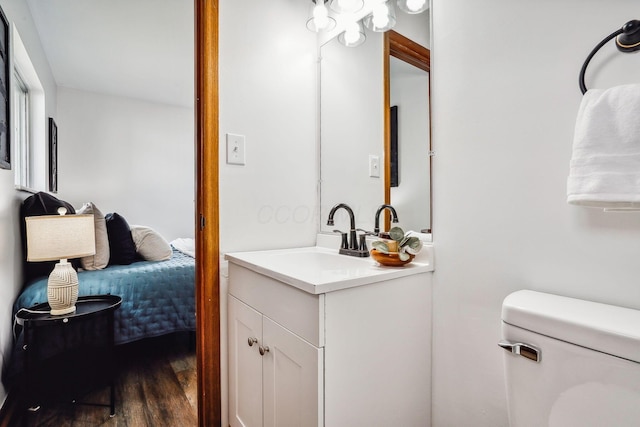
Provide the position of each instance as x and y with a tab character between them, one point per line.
293	379
245	365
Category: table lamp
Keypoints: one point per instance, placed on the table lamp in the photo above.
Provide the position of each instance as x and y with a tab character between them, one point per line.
60	237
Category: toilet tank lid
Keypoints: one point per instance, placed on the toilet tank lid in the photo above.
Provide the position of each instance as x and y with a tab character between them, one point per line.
602	327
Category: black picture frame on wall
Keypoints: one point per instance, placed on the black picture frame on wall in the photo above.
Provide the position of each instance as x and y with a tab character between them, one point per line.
394	178
5	140
53	156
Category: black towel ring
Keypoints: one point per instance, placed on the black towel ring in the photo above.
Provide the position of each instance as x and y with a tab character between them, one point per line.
627	40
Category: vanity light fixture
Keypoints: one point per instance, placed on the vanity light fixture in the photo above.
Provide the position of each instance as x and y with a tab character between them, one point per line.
382	18
347	6
413	6
319	19
353	35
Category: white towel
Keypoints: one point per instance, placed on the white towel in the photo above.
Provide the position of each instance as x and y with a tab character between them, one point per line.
605	164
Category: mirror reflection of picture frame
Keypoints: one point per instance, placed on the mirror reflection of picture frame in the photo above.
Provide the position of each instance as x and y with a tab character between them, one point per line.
5	140
53	156
394	179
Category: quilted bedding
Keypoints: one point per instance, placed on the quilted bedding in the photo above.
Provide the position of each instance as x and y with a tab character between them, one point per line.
158	297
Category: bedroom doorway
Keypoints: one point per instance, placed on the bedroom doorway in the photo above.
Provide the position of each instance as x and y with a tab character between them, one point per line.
207	221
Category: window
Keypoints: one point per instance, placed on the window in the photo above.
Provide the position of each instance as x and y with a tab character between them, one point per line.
28	120
21	130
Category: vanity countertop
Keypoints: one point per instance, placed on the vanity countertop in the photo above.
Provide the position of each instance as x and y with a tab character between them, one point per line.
319	270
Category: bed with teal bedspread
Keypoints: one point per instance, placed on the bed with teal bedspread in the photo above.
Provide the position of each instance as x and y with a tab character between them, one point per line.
158	297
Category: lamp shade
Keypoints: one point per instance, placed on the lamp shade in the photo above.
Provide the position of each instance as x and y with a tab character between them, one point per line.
55	237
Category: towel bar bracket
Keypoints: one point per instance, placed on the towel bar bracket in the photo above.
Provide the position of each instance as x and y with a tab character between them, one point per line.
627	40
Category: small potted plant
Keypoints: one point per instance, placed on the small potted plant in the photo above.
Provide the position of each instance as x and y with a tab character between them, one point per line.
398	250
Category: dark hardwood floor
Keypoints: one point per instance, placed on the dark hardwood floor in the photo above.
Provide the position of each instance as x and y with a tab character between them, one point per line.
155	386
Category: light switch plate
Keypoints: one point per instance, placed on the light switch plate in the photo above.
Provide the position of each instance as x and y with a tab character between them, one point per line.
374	166
235	149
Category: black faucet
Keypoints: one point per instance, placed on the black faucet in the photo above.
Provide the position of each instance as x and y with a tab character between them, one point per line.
394	217
353	248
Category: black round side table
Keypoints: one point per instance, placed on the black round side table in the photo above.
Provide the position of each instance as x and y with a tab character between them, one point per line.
67	356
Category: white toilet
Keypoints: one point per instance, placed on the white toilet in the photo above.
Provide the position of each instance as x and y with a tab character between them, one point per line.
570	362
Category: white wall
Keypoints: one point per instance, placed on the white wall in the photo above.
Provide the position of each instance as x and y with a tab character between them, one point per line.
505	97
268	94
10	199
128	156
267	63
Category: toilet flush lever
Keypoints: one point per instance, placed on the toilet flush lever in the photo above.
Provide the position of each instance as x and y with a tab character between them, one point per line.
525	350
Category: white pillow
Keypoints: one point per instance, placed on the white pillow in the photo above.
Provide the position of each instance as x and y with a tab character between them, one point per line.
186	245
150	245
101	258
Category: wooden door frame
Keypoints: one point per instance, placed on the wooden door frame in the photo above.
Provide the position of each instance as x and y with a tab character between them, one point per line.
207	219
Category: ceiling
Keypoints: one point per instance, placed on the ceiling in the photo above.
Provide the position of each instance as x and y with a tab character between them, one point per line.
141	49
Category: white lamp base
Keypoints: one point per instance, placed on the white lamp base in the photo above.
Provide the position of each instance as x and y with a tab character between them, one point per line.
62	289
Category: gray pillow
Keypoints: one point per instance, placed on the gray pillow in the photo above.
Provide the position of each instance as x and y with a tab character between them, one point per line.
101	258
150	245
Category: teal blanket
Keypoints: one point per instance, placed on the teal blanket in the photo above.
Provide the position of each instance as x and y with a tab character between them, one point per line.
158	297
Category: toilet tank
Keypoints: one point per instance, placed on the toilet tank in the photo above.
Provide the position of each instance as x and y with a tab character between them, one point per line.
570	362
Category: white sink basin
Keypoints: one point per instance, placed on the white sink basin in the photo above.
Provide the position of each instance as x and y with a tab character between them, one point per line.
318	270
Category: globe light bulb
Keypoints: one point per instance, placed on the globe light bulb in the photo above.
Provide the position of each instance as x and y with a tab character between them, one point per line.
380	15
351	33
319	19
347	6
413	6
321	16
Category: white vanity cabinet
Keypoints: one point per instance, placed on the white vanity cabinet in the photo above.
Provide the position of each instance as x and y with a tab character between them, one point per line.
276	375
341	357
275	360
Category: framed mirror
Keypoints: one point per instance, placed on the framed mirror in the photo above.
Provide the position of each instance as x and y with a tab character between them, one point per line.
357	88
